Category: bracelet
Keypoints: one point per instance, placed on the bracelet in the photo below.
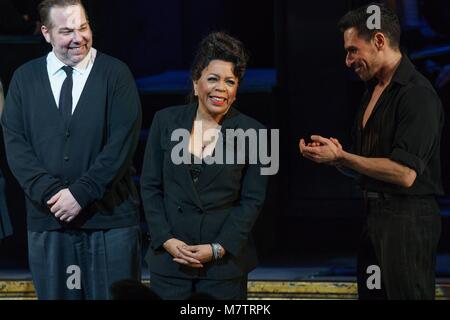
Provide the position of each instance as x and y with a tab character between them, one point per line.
216	251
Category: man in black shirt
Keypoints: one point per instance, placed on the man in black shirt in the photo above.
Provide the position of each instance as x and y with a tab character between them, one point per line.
395	157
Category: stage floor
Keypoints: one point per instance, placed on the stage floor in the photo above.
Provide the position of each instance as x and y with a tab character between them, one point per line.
333	279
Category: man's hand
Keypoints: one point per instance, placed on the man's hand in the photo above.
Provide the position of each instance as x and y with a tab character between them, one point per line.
321	150
339	146
64	206
336	143
173	246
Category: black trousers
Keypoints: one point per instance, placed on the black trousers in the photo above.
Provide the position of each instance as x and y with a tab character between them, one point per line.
171	288
400	237
83	264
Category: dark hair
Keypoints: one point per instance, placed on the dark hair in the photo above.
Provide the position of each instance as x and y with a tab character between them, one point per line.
46	5
220	46
390	25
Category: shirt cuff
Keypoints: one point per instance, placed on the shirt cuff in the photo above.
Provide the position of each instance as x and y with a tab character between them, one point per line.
83	198
408	159
50	194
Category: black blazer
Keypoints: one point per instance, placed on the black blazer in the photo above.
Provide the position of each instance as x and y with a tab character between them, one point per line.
221	208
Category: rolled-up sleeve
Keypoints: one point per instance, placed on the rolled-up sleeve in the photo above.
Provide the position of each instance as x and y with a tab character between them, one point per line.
420	119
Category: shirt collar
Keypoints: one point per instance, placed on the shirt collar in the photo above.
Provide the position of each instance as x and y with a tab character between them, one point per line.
54	64
404	71
401	74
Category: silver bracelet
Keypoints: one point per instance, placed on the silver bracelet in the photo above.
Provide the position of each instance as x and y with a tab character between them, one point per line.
215	251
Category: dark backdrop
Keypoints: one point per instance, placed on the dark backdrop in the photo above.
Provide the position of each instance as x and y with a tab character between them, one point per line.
310	209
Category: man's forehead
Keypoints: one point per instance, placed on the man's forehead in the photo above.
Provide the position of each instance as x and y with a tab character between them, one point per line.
352	38
350	34
71	17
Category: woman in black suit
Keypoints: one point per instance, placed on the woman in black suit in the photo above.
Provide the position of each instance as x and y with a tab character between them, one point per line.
199	214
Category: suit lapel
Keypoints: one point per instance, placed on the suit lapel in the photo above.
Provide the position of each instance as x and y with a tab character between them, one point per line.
185	121
212	170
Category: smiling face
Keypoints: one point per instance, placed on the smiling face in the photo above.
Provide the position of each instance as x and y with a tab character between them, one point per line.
69	34
216	88
362	55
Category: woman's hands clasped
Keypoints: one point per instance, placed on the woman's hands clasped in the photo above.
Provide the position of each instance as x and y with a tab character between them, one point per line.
191	256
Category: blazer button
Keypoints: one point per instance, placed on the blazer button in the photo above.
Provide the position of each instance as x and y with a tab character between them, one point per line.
179	209
66	158
67	133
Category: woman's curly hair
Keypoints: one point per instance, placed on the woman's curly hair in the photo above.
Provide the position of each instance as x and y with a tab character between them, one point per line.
220	46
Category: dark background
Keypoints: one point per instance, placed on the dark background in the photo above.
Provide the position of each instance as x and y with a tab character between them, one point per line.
311	211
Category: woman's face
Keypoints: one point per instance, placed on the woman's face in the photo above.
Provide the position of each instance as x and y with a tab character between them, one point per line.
216	89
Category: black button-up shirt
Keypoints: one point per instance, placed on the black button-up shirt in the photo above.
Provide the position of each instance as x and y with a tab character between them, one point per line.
405	126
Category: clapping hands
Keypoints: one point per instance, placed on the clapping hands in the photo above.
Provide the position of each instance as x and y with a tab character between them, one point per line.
322	150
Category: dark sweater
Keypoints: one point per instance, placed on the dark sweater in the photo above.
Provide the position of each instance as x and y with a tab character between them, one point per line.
92	156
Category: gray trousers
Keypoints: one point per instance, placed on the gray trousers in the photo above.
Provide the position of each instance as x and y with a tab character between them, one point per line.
5	223
83	264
